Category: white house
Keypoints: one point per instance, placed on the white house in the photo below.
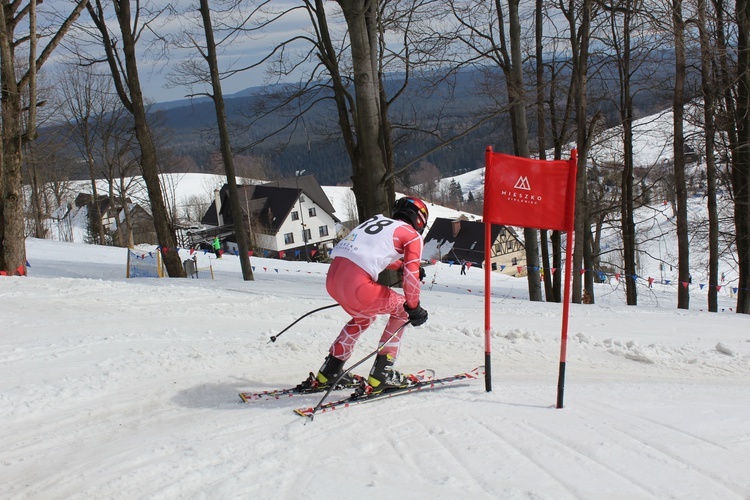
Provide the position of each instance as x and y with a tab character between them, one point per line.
290	218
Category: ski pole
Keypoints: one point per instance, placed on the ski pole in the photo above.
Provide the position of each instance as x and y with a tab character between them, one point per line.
274	337
373	353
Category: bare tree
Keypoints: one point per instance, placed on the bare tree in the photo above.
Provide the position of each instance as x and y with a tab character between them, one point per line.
357	73
621	36
708	83
579	17
541	120
741	155
369	145
195	206
87	104
210	73
733	108
629	35
521	134
118	163
12	241
425	180
502	49
554	105
226	147
120	55
35	155
678	109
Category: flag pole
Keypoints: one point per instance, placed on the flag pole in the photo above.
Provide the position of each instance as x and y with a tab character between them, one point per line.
566	311
570	223
487	308
488	167
528	194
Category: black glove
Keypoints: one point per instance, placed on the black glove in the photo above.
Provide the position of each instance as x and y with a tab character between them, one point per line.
417	316
422	274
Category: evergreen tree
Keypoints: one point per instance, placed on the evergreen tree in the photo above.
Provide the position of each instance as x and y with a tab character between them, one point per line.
455	193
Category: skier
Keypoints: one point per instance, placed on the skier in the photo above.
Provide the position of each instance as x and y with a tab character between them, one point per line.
378	243
217	247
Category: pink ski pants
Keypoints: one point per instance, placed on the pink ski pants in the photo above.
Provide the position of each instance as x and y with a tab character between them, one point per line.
363	299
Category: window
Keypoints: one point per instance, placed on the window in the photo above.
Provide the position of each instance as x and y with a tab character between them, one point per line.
295	215
311	212
323	230
301	198
306	235
514	261
288	238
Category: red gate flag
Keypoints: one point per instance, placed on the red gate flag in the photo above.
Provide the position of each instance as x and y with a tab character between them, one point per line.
535	194
529	193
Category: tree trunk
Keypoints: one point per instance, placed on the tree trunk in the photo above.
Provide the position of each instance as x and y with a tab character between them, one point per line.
35	184
89	152
678	109
126	232
557	279
36	205
546	278
542	135
95	205
707	82
741	157
737	114
626	202
133	101
12	235
521	134
12	238
240	229
369	165
579	38
627	212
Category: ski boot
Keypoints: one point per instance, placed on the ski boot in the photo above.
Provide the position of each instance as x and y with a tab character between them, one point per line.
327	375
384	378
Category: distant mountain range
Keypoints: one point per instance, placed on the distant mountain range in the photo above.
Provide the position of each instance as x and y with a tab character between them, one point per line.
191	128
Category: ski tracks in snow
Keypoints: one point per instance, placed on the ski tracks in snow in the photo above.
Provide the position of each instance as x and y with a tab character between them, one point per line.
442	446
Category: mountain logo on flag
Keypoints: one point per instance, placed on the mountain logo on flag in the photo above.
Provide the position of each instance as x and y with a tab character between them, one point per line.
523	183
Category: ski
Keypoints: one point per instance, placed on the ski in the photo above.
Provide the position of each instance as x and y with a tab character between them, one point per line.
248	397
363	397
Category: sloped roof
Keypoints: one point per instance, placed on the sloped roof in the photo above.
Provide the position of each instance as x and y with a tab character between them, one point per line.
309	185
209	218
87	199
272	201
273	204
468	243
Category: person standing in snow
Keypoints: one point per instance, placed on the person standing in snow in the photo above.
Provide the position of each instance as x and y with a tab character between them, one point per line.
378	243
217	247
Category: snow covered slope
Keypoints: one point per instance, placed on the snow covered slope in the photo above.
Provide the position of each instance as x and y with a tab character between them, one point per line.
114	388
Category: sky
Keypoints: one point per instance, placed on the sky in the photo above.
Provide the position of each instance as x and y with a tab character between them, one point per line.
157	68
125	388
235	53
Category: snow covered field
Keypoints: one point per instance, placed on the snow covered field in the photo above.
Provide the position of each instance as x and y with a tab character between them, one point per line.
115	388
